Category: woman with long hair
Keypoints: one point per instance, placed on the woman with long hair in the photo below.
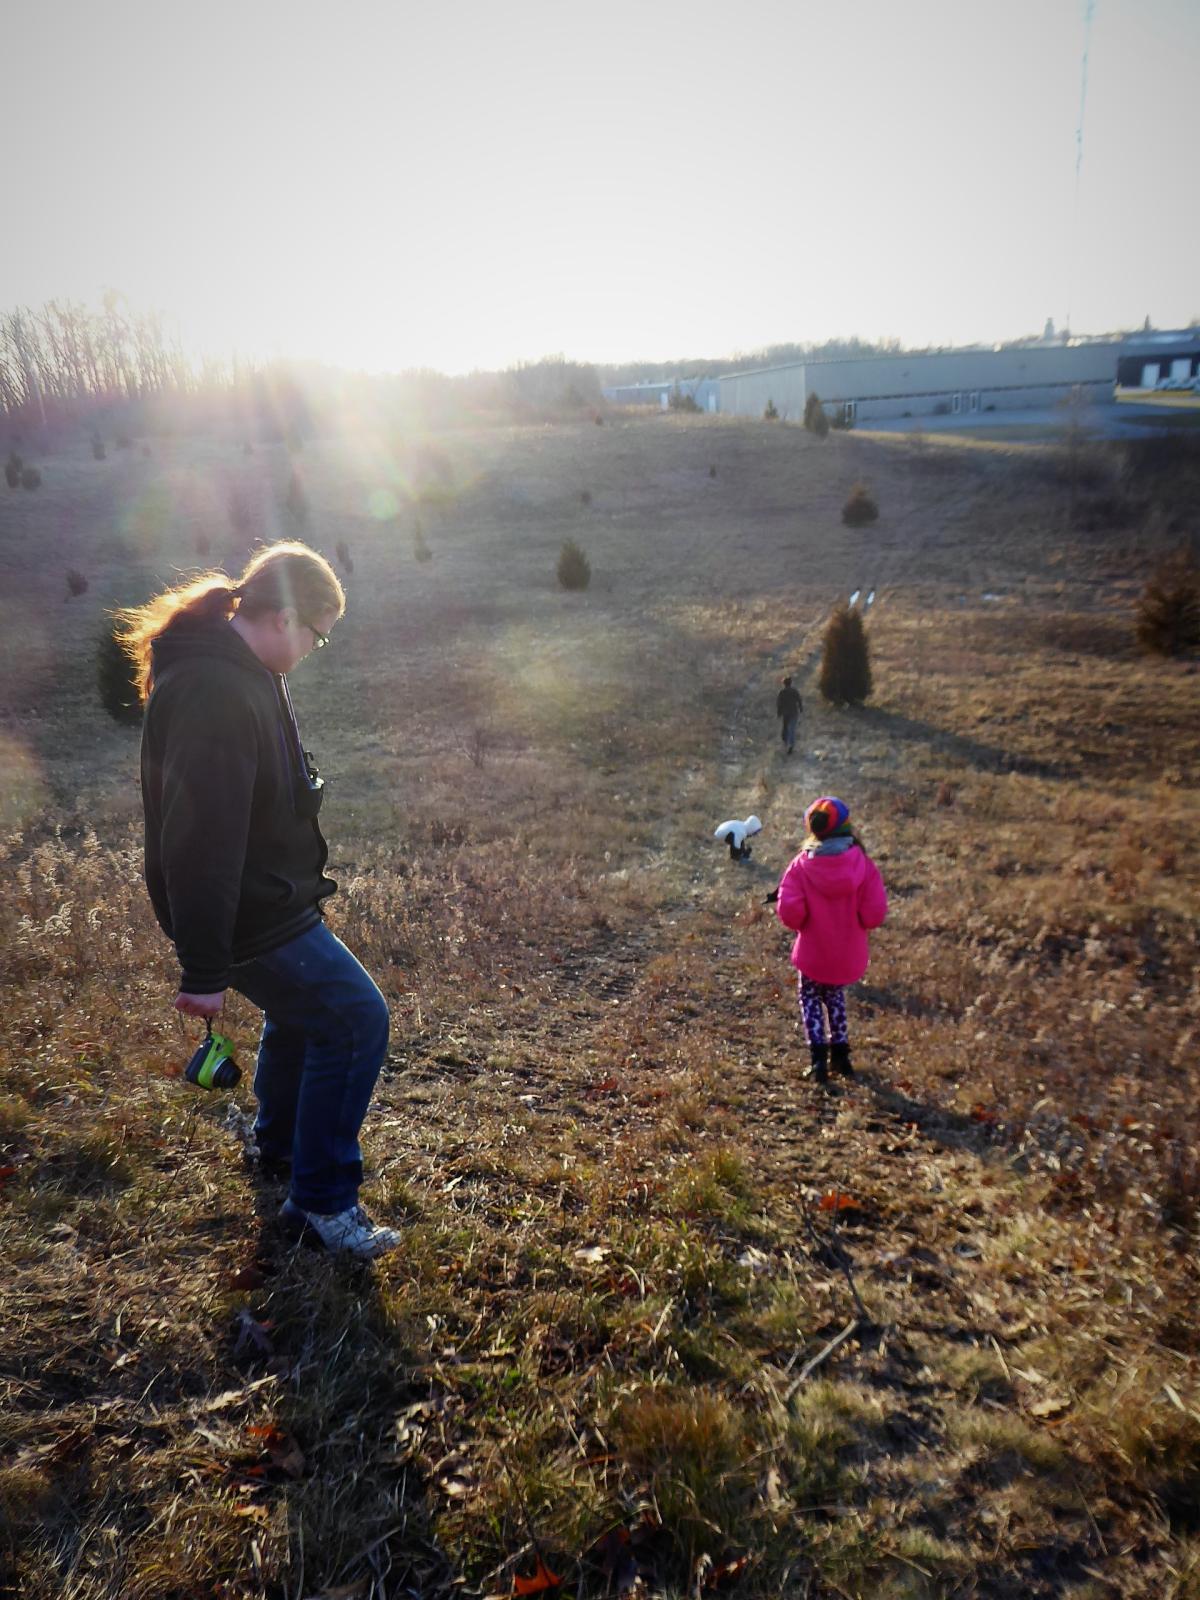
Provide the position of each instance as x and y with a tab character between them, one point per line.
235	865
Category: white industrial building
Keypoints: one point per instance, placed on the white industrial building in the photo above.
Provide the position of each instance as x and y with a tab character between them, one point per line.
958	381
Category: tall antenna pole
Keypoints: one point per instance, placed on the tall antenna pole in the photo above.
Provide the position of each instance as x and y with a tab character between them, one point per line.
1089	11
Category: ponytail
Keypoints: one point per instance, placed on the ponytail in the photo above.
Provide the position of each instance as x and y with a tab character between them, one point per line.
209	598
282	575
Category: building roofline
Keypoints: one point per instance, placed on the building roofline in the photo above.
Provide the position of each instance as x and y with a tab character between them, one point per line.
1130	341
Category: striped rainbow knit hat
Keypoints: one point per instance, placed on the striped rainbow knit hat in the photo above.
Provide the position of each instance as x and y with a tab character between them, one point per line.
825	816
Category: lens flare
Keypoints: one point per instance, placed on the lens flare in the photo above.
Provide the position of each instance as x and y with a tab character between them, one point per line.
383	504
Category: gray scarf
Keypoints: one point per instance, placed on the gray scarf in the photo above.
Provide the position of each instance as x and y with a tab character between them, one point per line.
832	847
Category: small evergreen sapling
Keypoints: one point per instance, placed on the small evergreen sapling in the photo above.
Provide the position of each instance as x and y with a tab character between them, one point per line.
574	568
860	508
1168	609
845	659
116	678
815	419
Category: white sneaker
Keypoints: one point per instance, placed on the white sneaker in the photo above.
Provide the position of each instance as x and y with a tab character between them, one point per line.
347	1233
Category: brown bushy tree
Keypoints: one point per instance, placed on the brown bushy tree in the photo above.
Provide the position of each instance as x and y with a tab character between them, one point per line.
860	507
845	659
1168	610
815	419
574	568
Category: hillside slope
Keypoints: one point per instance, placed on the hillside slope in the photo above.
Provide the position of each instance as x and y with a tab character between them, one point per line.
668	1319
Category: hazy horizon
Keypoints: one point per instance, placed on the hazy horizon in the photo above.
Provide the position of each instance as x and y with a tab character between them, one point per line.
397	188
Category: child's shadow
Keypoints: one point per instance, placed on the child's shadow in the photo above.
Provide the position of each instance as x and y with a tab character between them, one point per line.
757	872
952	1130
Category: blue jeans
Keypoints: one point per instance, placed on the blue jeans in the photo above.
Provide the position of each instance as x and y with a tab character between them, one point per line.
324	1039
788	731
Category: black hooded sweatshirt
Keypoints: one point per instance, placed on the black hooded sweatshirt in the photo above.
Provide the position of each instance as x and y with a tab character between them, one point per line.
234	856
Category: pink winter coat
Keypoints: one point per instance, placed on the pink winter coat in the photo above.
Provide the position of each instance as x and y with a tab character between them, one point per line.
832	900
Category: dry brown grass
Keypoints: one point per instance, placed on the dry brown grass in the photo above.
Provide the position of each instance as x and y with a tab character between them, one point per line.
593	1129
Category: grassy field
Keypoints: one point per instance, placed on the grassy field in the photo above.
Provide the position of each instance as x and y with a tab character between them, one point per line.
667	1320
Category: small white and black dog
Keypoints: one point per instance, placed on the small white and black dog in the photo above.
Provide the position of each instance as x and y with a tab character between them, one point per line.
735	835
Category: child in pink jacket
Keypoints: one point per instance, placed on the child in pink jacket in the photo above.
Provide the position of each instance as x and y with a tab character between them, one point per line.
831	895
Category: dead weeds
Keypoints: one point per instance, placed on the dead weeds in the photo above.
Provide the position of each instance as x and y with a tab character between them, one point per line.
626	1341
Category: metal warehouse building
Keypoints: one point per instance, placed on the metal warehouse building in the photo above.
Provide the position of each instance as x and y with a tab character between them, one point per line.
953	381
702	390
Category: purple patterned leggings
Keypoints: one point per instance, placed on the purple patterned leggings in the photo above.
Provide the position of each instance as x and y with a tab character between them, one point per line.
832	998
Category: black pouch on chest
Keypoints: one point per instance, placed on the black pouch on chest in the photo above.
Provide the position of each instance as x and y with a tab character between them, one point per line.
309	791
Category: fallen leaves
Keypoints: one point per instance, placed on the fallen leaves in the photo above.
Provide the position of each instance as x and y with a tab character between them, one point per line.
726	1571
838	1200
1052	1406
250	1277
282	1449
252	1335
542	1581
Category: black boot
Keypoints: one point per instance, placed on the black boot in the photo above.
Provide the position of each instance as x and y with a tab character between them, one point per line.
819	1071
840	1057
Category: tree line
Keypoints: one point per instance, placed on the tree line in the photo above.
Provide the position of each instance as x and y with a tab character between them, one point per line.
66	367
66	359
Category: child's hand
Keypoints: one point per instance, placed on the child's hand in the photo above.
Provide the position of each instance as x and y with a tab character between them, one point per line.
770	899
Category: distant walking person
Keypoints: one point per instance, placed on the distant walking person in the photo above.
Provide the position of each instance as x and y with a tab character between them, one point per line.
235	865
831	895
788	706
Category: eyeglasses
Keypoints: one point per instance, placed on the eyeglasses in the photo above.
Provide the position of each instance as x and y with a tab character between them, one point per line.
320	640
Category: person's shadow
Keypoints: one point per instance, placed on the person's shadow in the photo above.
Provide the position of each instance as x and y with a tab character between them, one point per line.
348	1412
896	727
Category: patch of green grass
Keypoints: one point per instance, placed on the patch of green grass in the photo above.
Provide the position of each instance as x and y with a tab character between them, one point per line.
1002	1444
694	1450
716	1186
15	1113
976	1374
784	1312
709	1351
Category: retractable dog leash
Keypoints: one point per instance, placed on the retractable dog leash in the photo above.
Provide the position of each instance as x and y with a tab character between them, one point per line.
213	1066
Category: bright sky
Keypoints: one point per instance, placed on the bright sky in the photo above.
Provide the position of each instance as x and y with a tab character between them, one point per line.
383	184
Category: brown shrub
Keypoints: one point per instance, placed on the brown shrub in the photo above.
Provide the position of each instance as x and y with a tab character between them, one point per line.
1168	612
860	508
